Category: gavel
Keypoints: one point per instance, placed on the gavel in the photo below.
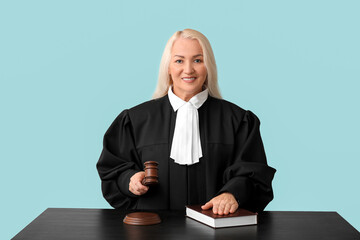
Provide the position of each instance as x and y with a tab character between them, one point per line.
151	173
146	218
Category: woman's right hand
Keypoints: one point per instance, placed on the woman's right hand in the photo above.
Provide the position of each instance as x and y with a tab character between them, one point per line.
135	185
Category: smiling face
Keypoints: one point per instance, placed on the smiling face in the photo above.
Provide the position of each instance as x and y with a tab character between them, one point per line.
187	68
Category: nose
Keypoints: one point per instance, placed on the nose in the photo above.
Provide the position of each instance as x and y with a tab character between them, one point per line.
189	68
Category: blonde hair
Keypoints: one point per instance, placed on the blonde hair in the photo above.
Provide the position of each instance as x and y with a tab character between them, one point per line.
164	80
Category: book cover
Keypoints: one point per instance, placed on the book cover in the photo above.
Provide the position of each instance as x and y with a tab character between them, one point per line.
241	217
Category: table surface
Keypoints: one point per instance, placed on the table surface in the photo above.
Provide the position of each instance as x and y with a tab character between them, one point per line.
73	223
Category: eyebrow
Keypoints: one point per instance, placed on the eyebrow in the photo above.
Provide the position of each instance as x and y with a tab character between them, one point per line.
198	55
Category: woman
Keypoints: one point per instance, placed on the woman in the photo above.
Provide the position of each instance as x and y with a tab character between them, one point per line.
209	150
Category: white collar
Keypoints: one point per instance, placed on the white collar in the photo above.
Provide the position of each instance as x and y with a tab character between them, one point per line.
186	145
196	100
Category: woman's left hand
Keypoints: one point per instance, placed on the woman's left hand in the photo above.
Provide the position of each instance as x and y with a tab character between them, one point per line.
224	203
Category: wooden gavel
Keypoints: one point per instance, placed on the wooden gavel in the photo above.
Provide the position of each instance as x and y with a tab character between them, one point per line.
151	173
146	218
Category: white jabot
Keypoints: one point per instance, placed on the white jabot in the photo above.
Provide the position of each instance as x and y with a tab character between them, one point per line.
186	145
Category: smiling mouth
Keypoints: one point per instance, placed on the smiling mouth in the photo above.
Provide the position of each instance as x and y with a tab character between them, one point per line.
189	79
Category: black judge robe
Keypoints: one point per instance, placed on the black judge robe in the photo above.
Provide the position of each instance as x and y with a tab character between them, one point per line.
233	158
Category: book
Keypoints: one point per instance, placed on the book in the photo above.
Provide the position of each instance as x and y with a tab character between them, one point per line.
241	217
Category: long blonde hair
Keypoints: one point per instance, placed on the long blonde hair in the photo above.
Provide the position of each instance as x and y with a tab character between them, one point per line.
164	80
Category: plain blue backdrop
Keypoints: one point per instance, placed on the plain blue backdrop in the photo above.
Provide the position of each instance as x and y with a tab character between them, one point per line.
68	68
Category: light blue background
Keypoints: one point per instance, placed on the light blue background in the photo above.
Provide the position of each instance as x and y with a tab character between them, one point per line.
68	68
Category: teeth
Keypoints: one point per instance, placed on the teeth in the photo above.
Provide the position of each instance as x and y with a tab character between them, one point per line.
188	79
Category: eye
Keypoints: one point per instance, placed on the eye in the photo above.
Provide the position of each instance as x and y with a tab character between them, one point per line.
178	61
197	60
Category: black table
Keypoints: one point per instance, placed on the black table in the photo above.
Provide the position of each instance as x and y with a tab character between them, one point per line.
67	223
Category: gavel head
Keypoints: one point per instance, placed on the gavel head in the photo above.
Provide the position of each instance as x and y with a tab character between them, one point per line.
151	173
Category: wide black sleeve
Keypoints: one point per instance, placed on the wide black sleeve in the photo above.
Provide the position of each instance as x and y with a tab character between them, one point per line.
249	177
118	162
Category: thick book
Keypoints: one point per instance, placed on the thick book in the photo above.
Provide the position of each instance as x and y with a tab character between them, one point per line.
241	217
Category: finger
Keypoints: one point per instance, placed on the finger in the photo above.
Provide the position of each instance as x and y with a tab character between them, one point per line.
233	208
134	191
139	186
221	208
137	177
141	191
215	208
144	189
207	205
227	209
138	189
131	187
140	176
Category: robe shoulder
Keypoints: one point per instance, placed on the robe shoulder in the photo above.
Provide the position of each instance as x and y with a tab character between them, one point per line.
226	105
231	114
141	111
138	115
231	109
149	110
148	121
149	107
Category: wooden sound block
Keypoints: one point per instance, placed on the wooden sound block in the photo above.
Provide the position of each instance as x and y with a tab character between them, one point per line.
142	218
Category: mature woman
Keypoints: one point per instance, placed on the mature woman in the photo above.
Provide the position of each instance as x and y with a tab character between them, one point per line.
209	150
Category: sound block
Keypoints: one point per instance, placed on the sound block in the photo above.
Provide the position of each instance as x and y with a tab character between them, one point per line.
142	218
